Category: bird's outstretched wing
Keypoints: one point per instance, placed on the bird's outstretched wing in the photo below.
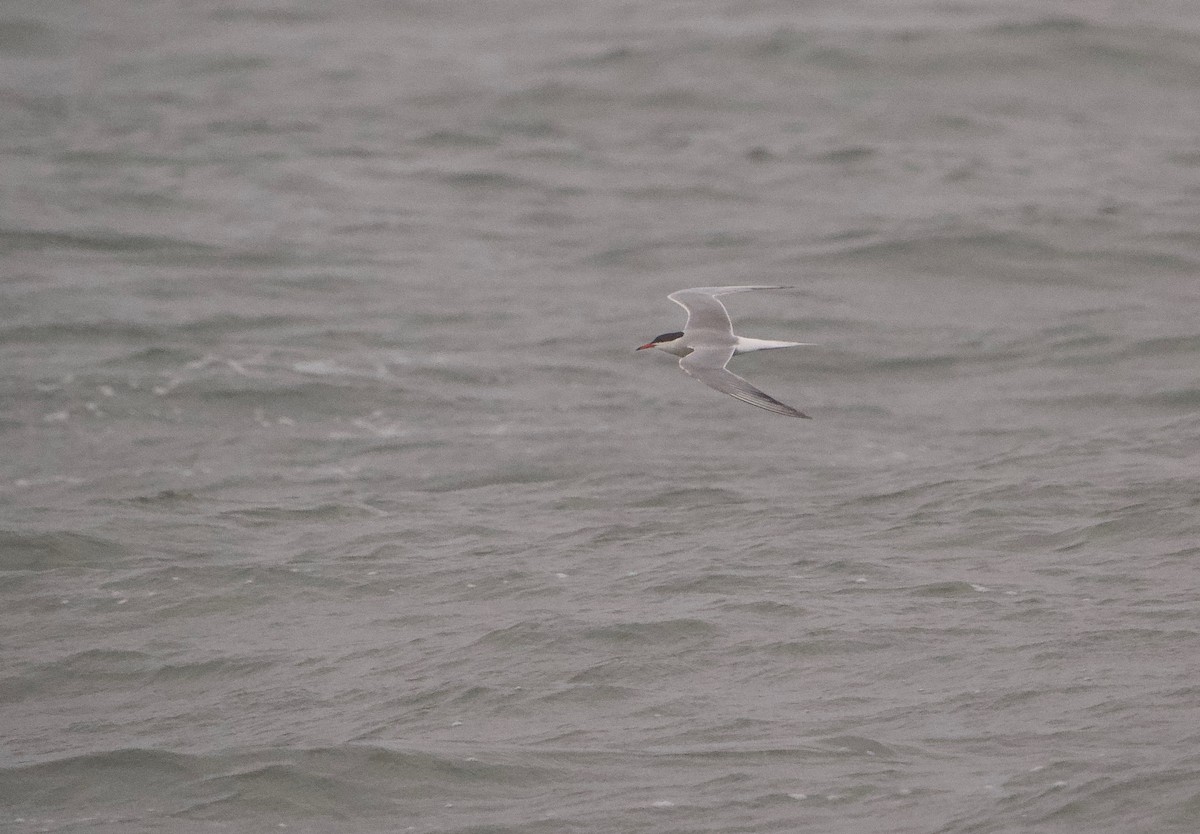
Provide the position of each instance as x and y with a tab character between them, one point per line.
708	366
705	311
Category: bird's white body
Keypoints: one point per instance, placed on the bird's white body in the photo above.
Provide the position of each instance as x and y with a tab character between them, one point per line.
707	343
741	344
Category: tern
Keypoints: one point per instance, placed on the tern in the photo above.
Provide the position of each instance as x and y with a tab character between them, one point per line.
707	343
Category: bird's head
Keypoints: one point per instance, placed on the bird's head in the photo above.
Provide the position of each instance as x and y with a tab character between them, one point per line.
663	341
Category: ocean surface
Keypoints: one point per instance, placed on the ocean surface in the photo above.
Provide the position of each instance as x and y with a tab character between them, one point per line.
335	498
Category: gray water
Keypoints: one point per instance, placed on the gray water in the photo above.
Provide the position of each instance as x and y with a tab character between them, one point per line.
335	497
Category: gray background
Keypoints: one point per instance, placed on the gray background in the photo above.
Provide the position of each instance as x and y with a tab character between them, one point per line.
334	497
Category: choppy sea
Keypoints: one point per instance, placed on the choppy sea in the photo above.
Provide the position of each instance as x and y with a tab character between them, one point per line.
334	496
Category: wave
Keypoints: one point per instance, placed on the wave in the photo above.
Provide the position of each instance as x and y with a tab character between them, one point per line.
57	549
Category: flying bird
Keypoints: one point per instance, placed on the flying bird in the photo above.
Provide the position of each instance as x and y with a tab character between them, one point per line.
707	343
